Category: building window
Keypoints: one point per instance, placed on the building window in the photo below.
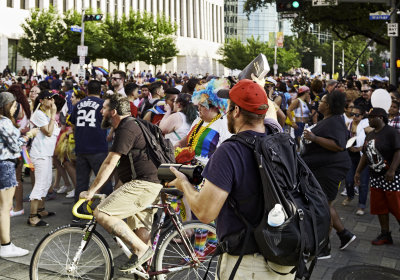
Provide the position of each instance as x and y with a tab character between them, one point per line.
123	6
23	4
12	54
64	6
37	4
9	3
115	7
108	6
188	15
51	2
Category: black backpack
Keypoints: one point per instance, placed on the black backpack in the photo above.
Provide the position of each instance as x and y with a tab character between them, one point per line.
286	180
158	149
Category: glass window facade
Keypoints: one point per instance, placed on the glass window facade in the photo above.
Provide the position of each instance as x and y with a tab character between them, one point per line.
259	24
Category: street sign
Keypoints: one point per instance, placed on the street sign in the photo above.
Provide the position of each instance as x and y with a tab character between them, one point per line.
76	28
393	30
81	60
379	16
82	50
317	3
288	15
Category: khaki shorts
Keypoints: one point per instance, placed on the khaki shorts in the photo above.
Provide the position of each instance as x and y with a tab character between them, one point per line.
252	267
130	201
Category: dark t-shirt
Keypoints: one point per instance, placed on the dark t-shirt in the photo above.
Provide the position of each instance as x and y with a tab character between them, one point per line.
234	169
380	148
363	103
128	135
318	157
86	115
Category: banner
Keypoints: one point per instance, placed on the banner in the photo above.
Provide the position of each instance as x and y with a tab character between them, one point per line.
279	39
272	40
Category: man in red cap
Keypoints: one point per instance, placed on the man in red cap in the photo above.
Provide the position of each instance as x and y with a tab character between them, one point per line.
232	172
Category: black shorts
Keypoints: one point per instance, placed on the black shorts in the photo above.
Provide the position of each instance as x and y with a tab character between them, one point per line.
329	183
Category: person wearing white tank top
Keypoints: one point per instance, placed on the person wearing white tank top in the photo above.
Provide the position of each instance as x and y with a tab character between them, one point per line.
176	124
299	112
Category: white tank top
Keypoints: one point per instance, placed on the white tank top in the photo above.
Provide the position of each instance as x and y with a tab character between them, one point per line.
179	133
302	111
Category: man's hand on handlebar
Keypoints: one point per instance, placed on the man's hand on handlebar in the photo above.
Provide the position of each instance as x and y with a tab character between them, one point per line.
88	195
180	180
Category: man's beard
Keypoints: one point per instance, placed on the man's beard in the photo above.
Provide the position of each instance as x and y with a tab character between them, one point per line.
106	122
231	124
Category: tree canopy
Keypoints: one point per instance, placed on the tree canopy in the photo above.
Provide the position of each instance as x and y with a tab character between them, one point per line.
138	36
345	20
236	55
41	32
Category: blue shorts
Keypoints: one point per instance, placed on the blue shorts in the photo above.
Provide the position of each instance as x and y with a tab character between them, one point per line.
8	178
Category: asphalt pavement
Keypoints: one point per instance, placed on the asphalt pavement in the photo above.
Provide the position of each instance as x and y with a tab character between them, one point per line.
360	252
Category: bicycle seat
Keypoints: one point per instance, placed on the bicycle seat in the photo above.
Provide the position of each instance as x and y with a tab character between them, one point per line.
172	191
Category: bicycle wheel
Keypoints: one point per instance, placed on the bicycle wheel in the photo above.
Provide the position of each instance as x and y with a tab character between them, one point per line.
54	255
172	253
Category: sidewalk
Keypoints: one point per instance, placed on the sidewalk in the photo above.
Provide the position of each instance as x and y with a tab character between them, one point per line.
360	252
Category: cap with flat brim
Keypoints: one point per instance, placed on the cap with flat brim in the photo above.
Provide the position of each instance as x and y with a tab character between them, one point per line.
248	95
46	94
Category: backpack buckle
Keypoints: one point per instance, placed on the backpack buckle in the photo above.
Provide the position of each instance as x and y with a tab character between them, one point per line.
250	140
301	214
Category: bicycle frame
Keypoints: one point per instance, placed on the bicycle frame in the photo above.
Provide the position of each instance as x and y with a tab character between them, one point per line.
145	273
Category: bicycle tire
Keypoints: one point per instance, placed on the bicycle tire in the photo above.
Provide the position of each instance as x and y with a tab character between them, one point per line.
55	252
168	244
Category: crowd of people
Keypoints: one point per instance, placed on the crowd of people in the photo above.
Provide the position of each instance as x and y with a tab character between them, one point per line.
68	125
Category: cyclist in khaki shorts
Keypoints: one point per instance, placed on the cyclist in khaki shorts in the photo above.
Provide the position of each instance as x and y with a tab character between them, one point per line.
138	191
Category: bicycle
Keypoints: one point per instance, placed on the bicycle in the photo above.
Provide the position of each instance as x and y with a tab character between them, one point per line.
80	252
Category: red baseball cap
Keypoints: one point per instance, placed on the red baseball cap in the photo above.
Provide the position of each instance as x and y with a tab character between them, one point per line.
248	95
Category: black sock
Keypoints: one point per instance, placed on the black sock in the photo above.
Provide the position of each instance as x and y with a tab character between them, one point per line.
6	244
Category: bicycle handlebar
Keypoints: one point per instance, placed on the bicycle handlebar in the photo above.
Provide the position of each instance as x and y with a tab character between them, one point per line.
89	209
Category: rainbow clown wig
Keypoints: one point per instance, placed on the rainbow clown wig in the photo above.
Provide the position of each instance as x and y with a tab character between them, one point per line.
206	94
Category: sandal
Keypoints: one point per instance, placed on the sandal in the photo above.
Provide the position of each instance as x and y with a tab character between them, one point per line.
49	214
41	223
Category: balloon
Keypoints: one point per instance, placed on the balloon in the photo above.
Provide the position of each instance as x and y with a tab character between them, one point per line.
381	99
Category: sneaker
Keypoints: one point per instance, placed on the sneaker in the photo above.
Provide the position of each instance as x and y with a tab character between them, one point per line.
325	253
62	189
383	238
356	191
12	251
16	213
135	262
70	194
360	212
346	237
346	201
344	192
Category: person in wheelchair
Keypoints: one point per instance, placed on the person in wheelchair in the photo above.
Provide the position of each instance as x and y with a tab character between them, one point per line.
140	187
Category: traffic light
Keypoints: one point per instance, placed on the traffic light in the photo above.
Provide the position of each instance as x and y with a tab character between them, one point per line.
97	17
398	63
289	5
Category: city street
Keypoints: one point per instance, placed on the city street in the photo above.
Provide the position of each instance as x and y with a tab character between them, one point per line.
360	252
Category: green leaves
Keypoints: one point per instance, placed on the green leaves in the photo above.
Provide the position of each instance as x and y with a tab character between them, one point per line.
138	36
236	55
345	20
41	30
160	40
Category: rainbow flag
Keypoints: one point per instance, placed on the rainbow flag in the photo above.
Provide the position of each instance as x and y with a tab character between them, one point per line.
27	159
103	70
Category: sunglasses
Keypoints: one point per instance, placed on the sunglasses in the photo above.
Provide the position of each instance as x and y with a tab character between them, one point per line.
355	115
115	78
365	91
49	97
